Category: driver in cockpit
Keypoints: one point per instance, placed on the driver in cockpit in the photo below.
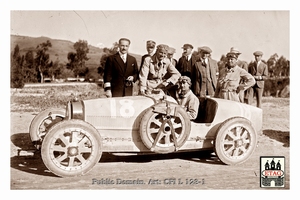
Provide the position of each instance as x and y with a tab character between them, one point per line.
186	98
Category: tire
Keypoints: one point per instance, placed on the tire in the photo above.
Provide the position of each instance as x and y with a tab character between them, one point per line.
71	148
235	141
42	122
151	123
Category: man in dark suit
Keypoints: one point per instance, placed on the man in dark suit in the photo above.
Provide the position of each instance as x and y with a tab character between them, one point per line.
186	64
120	72
259	70
205	75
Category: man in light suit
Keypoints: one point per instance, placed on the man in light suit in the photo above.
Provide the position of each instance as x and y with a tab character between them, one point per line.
205	76
120	72
244	65
170	55
259	71
154	70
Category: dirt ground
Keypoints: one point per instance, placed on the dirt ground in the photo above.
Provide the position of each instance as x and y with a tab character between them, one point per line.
196	170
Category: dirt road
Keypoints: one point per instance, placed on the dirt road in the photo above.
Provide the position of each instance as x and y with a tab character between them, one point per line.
173	171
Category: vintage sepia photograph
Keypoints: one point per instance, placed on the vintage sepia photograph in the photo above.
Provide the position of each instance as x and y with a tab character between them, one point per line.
150	99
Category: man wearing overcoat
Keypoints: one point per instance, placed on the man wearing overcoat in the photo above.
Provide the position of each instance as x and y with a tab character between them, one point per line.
229	82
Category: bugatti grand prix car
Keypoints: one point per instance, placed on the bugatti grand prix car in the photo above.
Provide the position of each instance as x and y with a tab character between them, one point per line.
72	140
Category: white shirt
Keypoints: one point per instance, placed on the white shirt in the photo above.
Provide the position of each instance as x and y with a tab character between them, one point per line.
124	55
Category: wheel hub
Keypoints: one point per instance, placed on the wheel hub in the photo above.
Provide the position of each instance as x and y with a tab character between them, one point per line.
72	151
238	143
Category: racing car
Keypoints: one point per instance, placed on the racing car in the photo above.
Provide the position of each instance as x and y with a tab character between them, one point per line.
72	140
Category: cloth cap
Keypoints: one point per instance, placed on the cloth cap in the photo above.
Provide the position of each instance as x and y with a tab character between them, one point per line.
235	50
185	46
171	50
163	48
186	79
258	53
151	43
232	55
204	49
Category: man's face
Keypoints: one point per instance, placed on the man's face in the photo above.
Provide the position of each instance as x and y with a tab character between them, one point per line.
124	46
258	58
170	55
150	50
204	54
187	51
184	86
231	61
161	54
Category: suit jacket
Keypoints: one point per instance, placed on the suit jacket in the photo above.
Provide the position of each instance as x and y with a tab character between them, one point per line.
260	70
116	72
199	74
179	66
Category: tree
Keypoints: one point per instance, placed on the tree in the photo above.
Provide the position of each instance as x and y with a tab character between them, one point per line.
42	59
107	52
54	69
77	60
30	73
17	75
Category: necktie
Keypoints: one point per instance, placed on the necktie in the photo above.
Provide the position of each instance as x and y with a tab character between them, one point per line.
123	58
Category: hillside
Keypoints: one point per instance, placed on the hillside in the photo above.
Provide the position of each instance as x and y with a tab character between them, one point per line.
59	49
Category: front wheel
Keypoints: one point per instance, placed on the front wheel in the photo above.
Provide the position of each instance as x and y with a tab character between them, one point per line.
42	122
235	141
71	148
164	134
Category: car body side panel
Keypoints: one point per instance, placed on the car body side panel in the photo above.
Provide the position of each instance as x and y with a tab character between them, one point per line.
203	134
118	119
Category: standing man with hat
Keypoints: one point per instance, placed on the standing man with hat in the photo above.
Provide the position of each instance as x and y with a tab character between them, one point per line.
259	70
150	46
229	82
244	65
170	55
121	70
205	76
153	72
186	98
186	64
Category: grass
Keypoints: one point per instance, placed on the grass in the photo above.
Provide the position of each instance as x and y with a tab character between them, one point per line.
36	99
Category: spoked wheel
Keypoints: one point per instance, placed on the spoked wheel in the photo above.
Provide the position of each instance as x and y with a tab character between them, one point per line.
235	141
162	133
42	122
71	148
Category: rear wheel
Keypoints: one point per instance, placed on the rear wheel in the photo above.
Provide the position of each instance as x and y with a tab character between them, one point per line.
71	148
164	134
235	141
42	122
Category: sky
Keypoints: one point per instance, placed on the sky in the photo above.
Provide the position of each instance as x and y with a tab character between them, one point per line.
249	31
